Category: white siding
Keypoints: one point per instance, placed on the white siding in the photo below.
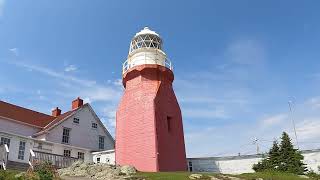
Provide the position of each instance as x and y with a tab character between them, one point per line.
17	128
82	134
14	147
107	157
238	165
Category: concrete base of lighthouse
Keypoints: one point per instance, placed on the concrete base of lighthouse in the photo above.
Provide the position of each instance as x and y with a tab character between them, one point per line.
149	132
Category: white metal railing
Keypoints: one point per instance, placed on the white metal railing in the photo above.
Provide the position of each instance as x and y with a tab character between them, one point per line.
31	158
4	153
166	63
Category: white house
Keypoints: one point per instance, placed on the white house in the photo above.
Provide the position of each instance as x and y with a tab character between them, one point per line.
61	138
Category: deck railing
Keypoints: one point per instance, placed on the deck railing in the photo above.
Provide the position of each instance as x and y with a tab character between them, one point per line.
56	160
4	153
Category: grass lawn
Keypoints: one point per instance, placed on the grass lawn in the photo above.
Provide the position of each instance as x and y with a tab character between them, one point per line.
169	175
274	176
8	175
246	176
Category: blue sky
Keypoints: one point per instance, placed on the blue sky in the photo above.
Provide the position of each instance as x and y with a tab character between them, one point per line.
236	63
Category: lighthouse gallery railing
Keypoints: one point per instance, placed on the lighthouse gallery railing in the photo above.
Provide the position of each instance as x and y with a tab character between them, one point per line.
144	59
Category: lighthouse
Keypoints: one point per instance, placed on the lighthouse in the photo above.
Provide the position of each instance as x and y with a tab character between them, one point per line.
149	130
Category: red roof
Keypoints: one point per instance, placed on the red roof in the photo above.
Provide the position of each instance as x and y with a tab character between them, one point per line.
59	118
24	115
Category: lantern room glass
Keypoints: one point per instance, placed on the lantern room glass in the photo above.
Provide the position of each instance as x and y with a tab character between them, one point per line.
146	41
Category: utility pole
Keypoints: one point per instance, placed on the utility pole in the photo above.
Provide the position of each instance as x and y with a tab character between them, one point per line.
294	124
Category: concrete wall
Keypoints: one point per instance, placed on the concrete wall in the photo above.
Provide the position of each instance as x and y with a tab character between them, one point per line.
82	134
243	164
17	128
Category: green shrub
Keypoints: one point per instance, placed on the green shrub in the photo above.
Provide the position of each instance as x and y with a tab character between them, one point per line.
45	171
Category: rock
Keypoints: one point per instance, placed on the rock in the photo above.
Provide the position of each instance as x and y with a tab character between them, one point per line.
213	178
195	176
84	166
97	171
80	173
128	170
258	179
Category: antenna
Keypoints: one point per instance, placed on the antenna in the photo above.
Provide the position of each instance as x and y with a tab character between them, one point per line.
294	124
256	142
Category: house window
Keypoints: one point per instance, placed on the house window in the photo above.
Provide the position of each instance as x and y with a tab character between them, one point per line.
66	135
94	125
169	123
190	166
66	153
22	148
98	160
76	120
101	142
80	155
5	141
40	146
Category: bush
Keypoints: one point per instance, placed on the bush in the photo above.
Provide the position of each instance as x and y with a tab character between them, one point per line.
45	171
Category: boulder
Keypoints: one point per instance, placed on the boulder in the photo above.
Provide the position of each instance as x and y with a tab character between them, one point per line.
195	176
128	170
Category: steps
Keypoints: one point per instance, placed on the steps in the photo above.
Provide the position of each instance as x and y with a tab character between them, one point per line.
12	165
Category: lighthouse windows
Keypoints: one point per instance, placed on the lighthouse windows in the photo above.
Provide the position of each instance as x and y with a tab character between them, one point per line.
169	123
145	41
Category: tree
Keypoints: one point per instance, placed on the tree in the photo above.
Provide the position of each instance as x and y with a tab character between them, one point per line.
274	156
283	157
291	160
271	162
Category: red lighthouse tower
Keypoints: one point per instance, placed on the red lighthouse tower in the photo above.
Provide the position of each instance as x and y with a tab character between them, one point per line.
149	130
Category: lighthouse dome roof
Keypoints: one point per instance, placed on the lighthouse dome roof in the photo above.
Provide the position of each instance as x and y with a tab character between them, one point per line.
146	38
146	30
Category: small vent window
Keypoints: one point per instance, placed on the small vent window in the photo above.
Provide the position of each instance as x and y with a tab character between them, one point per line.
94	125
169	123
76	120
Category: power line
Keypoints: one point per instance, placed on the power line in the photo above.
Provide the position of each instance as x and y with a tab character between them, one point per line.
294	124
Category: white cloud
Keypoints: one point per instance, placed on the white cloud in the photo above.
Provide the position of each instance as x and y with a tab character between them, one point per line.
308	129
110	113
2	3
70	68
246	52
274	120
201	113
118	82
15	51
314	102
55	74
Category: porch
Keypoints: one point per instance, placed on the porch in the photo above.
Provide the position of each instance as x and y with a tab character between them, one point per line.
58	161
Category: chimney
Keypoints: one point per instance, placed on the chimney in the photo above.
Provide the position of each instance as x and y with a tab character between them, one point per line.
77	103
56	112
